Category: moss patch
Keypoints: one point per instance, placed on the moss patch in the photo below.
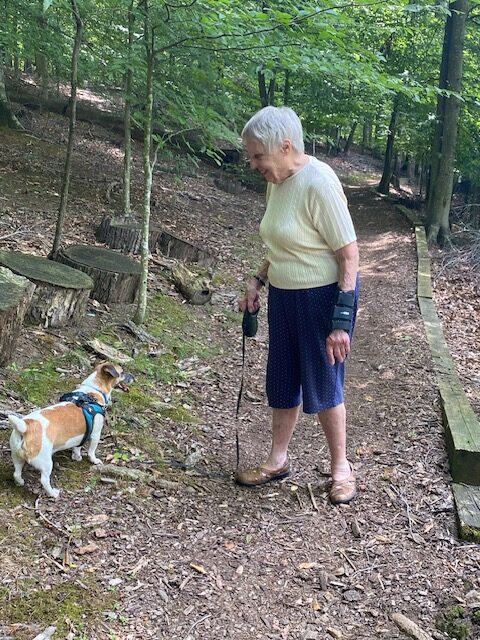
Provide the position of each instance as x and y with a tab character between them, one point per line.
38	382
10	494
456	623
59	605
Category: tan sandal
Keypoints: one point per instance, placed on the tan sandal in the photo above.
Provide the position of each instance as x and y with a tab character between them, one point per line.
343	491
258	476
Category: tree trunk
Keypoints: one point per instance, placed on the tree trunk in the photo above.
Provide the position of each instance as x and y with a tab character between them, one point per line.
7	118
15	295
149	36
115	276
286	88
71	129
383	187
41	65
349	141
61	293
397	165
127	159
262	89
443	149
366	134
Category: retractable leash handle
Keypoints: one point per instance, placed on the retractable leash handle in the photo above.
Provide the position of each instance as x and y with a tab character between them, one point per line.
249	330
250	323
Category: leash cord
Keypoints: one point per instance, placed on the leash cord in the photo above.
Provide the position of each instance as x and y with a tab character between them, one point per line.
239	400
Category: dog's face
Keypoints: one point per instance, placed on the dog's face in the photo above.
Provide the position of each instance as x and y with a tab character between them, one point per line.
109	376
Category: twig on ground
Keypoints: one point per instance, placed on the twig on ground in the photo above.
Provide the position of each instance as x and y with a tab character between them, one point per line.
48	633
195	624
312	497
344	555
410	628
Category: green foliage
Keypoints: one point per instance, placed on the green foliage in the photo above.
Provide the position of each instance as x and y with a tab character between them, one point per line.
335	65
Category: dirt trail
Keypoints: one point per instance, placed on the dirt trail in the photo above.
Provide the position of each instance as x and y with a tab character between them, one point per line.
205	558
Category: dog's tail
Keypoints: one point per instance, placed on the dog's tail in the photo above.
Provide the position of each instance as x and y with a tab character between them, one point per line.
18	423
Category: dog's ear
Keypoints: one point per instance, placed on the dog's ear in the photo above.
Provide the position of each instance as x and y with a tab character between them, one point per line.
110	370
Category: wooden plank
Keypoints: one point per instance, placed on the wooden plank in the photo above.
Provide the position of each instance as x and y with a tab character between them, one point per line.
462	428
424	277
467	500
411	215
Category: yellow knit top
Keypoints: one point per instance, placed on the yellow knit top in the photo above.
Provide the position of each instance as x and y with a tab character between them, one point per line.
305	222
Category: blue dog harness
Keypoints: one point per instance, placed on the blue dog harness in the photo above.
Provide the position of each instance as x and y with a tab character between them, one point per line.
90	407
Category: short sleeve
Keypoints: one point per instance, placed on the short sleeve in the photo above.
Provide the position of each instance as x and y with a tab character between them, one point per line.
331	217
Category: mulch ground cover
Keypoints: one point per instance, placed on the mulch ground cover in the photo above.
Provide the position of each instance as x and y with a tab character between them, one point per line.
189	554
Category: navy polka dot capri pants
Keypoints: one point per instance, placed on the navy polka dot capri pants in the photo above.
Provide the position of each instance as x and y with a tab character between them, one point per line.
298	370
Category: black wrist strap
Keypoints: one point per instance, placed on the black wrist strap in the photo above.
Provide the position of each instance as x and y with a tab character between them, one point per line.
342	315
260	280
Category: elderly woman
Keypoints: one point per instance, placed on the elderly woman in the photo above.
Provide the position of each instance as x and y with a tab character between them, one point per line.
312	270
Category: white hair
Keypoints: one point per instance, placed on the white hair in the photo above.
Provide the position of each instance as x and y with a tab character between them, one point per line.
272	125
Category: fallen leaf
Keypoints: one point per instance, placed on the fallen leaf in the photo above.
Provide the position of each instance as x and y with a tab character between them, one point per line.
87	548
199	568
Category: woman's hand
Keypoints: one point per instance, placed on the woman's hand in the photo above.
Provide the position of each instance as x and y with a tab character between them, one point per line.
251	299
338	346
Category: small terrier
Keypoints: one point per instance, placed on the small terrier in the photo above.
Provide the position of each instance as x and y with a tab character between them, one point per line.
76	418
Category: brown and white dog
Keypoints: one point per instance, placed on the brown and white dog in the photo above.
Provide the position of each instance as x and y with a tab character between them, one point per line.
37	436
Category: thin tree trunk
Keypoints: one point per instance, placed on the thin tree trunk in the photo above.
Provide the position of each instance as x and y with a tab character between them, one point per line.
71	130
349	141
149	36
383	187
127	158
7	117
436	148
286	88
438	208
271	91
262	88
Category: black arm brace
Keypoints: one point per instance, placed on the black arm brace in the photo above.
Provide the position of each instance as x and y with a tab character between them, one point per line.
343	310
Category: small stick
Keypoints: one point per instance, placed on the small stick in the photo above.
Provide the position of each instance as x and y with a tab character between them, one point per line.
312	497
342	553
45	635
195	624
410	628
48	522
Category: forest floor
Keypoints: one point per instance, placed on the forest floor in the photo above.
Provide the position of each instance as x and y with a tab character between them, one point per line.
186	553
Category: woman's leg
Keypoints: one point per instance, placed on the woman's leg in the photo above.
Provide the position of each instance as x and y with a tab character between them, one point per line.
283	426
334	426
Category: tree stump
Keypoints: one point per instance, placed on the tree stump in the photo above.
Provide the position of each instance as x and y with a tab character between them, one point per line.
125	234
61	293
116	278
15	295
193	287
174	247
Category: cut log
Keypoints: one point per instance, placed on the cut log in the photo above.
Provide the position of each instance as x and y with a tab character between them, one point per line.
194	288
125	234
15	295
116	278
174	247
61	293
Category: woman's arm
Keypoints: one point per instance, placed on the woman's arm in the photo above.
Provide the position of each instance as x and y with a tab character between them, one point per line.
338	342
348	262
251	298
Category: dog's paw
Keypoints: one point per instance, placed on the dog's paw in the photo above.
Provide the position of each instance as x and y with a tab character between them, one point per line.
94	460
19	481
54	493
76	455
